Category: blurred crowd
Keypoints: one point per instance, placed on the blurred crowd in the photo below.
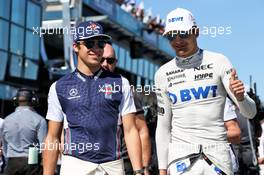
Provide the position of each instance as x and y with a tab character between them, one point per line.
152	23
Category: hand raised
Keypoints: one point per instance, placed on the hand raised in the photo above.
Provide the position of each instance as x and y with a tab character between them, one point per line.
236	86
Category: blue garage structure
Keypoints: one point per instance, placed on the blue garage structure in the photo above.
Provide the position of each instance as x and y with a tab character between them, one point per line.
36	45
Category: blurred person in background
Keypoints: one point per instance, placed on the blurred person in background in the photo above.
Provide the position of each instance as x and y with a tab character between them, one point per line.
261	150
2	159
22	130
109	62
246	151
233	131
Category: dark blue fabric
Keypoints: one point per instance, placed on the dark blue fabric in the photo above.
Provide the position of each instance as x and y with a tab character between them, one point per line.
92	115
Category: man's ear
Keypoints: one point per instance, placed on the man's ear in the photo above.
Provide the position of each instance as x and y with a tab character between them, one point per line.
75	47
196	31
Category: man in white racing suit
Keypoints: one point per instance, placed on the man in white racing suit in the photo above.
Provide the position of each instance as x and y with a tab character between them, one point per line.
191	91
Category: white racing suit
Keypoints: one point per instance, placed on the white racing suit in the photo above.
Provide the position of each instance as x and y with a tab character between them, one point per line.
191	96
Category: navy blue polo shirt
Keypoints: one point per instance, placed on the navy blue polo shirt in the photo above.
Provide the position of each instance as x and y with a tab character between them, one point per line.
91	108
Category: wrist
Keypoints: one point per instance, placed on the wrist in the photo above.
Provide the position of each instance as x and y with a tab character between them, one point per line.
240	98
139	172
147	168
163	172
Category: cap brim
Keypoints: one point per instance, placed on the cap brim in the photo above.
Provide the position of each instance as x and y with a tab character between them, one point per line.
101	36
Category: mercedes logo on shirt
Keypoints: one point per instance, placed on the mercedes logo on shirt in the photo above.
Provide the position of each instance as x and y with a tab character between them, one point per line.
73	92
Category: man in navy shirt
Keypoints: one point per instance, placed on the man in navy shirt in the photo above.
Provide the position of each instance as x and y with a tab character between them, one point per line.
90	104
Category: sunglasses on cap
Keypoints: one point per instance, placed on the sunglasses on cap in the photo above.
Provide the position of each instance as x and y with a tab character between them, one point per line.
89	44
181	34
109	60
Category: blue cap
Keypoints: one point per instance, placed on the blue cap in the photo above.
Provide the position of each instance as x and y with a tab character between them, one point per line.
89	29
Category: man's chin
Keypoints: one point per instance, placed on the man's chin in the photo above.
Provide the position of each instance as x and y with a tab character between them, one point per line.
182	54
94	63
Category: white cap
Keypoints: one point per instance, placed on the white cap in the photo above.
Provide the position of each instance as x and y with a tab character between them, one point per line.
179	19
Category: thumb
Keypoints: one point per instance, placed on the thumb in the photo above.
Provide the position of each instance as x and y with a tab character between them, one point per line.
233	75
